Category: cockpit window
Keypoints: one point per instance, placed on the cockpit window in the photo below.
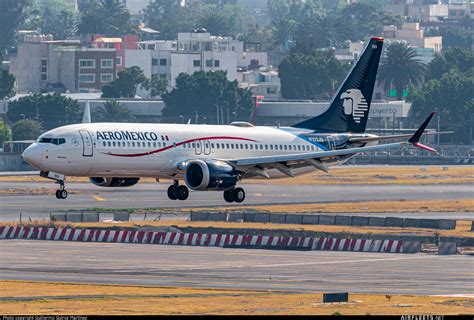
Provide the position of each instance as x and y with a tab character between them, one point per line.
56	141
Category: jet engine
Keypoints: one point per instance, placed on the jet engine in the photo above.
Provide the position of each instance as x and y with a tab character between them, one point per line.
114	182
211	175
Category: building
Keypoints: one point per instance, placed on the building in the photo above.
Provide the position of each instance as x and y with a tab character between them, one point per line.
119	44
42	64
414	36
261	82
191	52
427	12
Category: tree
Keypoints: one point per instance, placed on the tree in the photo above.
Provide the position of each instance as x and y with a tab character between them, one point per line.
52	110
113	111
456	38
283	30
217	23
452	96
168	17
5	132
453	58
400	67
7	84
11	15
126	84
26	129
158	85
321	32
109	17
312	76
187	98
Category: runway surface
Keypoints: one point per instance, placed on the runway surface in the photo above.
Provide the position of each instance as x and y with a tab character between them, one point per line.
206	267
147	195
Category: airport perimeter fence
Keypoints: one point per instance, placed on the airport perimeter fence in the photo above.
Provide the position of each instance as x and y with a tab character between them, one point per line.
333	220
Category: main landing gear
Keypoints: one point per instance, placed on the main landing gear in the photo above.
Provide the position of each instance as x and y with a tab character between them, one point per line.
177	192
234	195
61	193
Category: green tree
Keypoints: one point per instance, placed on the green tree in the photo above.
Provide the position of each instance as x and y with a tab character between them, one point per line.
126	84
310	76
27	129
53	17
113	111
7	84
283	30
168	17
459	59
52	110
456	38
158	85
109	17
400	67
5	132
452	96
11	15
321	32
187	97
217	23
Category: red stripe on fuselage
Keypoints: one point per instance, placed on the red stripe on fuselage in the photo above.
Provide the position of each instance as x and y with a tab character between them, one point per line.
177	145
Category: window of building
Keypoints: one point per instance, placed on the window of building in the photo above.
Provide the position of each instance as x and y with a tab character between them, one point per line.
196	63
154	62
106	77
118	61
209	63
217	63
106	63
87	78
44	77
44	69
162	62
44	62
86	63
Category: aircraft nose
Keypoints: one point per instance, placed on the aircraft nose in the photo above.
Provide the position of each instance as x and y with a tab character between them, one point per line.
33	155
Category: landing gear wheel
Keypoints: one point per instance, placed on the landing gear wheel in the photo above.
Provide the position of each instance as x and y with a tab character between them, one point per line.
63	194
182	192
229	195
239	195
172	193
58	196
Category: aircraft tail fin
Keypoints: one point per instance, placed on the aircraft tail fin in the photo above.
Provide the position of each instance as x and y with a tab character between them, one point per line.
349	108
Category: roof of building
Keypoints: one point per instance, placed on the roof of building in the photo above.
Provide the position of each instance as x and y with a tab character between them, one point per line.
108	40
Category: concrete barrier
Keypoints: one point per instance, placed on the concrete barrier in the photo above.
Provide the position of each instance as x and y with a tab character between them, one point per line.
90	217
394	222
199	216
121	216
74	217
217	216
444	224
58	217
411	223
445	248
310	219
429	223
235	216
262	217
294	218
249	217
360	221
343	221
376	222
411	246
277	218
327	220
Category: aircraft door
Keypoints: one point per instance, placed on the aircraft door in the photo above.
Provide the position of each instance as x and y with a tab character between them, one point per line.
87	146
331	143
207	147
198	148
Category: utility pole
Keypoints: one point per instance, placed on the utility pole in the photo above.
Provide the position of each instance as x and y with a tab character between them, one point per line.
218	113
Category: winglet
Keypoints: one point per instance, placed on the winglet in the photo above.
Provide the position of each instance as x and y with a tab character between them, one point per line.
415	139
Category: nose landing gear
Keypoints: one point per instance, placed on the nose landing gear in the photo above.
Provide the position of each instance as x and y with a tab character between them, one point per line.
177	192
61	193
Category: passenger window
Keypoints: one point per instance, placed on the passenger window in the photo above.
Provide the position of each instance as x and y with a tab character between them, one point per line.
143	144
271	147
118	144
251	147
104	143
149	144
232	146
133	144
227	145
312	148
266	147
261	147
113	144
241	146
109	143
236	146
212	145
128	144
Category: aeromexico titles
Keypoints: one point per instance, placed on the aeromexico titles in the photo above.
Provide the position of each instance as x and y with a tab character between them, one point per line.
218	157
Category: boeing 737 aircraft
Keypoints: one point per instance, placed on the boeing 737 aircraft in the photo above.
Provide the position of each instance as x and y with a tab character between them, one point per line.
218	157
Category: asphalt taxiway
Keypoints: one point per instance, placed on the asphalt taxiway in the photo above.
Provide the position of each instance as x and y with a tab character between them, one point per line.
149	195
207	267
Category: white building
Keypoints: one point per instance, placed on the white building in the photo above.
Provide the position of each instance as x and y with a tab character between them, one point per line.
262	82
414	36
191	52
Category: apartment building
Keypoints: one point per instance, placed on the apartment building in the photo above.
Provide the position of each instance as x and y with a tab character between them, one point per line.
414	35
41	64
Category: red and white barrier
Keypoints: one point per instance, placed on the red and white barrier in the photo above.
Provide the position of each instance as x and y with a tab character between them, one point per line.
200	239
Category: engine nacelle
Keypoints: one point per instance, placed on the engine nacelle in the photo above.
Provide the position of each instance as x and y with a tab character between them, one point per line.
114	182
210	175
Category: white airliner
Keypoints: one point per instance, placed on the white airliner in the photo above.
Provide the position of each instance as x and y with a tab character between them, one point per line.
217	157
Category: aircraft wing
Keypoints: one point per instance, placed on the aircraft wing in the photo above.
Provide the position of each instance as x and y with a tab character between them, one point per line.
397	136
281	162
